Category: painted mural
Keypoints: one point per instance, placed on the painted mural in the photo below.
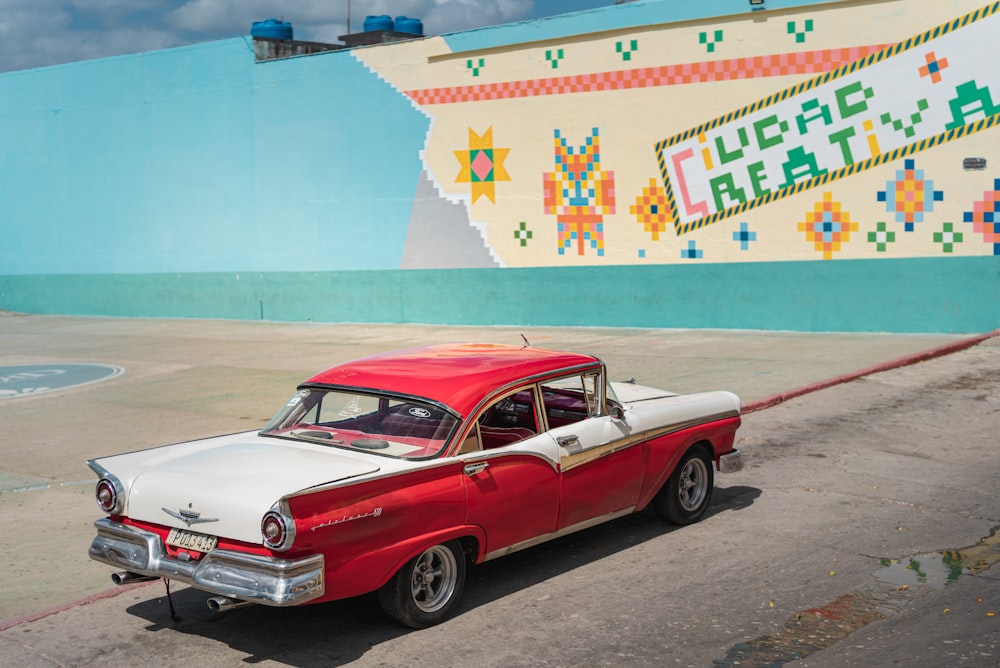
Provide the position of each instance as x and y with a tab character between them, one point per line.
851	130
817	165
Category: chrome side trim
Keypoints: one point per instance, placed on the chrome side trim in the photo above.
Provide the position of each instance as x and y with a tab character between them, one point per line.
581	457
486	455
482	455
417	465
687	424
731	462
578	458
538	540
248	577
98	469
424	465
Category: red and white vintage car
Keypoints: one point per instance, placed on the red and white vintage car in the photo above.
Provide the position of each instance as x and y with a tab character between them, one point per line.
393	472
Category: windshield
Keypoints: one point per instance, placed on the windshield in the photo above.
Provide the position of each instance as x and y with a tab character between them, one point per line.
387	425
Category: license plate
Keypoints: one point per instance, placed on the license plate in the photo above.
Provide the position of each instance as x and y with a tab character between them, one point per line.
191	541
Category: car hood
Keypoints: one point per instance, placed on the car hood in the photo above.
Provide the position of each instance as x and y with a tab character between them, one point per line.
630	393
231	481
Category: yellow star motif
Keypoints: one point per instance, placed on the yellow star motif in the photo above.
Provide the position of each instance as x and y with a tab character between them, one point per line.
482	165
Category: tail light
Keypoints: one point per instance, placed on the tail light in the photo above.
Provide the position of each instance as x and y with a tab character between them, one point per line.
278	530
109	496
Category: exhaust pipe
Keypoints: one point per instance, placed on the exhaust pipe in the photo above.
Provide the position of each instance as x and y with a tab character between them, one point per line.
224	603
126	577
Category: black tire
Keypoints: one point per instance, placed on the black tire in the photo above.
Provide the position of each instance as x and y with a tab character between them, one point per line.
424	591
687	493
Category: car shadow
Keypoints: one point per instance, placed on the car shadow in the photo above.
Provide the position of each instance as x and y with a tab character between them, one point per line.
339	632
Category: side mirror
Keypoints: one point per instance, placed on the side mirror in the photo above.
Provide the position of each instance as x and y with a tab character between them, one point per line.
617	412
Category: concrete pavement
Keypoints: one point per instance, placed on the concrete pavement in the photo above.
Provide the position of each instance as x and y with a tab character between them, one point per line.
186	379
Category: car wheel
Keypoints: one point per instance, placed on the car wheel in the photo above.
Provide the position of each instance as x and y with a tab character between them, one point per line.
423	592
685	497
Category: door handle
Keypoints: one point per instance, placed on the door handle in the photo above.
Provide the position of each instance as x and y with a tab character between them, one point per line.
473	469
567	441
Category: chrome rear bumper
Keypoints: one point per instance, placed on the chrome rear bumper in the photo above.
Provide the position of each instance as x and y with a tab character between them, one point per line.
248	577
731	462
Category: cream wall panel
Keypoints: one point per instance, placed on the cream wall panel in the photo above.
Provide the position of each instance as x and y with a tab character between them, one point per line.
631	121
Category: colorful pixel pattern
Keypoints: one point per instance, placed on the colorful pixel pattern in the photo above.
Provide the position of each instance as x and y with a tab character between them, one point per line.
652	210
827	227
626	50
800	35
475	65
692	252
948	237
881	237
579	194
523	234
934	67
753	67
985	216
910	195
482	165
744	236
709	41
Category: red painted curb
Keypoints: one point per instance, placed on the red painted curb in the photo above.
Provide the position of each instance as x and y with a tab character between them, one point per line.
93	598
907	360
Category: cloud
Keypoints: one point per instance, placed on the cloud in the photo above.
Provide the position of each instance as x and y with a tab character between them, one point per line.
316	16
35	33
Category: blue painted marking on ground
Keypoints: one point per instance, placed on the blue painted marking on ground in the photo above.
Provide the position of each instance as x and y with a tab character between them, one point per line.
28	379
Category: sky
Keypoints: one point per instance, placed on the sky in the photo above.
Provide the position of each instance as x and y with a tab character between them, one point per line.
36	33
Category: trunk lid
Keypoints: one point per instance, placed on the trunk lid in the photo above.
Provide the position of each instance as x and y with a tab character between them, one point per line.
229	481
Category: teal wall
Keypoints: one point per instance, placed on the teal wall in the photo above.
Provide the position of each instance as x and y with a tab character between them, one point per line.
336	165
916	295
117	165
197	160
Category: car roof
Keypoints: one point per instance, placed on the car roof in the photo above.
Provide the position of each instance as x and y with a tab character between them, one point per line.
457	375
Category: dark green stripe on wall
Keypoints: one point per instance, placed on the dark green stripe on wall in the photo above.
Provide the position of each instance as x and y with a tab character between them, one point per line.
948	295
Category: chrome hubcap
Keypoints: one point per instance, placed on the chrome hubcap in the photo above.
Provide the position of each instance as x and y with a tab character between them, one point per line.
693	484
434	577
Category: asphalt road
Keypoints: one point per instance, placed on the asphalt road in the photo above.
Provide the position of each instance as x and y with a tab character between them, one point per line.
859	533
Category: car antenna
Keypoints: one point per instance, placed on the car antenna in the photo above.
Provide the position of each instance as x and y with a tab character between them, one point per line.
526	344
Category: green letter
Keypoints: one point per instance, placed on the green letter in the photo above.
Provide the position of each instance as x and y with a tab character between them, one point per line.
811	105
970	100
841	138
763	141
727	156
847	110
757	177
723	184
800	165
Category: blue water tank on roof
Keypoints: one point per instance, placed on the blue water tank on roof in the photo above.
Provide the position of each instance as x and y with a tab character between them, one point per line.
381	22
409	26
273	28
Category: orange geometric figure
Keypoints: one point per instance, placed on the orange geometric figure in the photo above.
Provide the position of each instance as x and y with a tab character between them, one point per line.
652	209
827	227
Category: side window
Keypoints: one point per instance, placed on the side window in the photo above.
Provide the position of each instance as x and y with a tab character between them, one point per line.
508	420
571	399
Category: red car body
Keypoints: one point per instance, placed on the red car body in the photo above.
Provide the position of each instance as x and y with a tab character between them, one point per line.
391	472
